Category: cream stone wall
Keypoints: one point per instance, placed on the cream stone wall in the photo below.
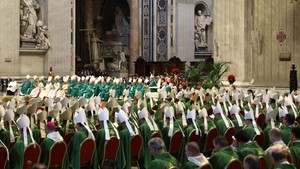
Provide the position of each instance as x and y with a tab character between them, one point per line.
245	34
59	21
13	62
9	37
269	16
185	32
185	15
229	33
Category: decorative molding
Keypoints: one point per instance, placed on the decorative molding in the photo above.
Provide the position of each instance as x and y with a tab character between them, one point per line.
162	30
146	29
281	36
28	51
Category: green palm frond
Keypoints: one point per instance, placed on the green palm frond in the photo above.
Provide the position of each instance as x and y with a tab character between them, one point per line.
208	73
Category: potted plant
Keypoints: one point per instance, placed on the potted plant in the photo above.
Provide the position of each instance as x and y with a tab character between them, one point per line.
209	74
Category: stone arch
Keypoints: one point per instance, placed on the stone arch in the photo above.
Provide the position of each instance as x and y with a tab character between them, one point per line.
203	7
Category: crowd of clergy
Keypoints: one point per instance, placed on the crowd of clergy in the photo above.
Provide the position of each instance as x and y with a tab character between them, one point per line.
46	111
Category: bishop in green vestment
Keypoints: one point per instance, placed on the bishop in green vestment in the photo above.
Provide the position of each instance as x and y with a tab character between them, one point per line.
25	86
16	154
74	146
222	153
195	158
52	137
280	159
295	145
146	133
288	122
245	146
105	132
162	159
126	131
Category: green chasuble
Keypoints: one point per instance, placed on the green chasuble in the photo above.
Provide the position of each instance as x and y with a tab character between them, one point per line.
220	124
267	137
153	84
100	140
250	130
5	137
164	160
45	150
295	151
74	148
187	132
165	135
146	133
189	165
3	146
210	124
25	86
65	130
123	159
36	133
236	123
16	154
32	86
285	166
286	133
250	148
221	158
89	91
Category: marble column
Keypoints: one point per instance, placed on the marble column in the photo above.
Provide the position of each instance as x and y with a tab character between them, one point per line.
134	34
89	6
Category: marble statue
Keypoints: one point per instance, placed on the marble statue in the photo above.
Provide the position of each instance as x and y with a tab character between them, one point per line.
28	18
113	66
42	36
121	23
119	62
201	21
94	47
123	62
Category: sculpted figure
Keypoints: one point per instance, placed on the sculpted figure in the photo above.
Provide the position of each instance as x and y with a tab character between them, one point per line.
123	61
122	25
42	36
29	18
201	21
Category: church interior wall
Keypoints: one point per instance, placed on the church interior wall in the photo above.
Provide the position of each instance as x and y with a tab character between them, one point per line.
271	16
16	62
9	43
59	55
185	34
229	35
245	35
185	28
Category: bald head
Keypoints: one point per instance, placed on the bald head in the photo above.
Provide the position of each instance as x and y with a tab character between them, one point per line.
192	149
275	134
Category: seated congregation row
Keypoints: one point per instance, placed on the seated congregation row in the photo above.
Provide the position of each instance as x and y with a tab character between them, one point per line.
173	149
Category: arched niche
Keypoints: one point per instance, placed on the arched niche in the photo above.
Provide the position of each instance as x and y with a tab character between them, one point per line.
205	10
203	7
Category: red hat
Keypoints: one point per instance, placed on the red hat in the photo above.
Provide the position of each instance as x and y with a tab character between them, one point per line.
51	68
175	70
50	124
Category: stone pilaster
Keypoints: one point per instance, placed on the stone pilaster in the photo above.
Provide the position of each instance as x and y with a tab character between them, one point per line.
134	34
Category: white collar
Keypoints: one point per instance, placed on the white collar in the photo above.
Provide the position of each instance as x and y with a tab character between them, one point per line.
248	142
296	141
55	136
278	142
198	160
284	162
